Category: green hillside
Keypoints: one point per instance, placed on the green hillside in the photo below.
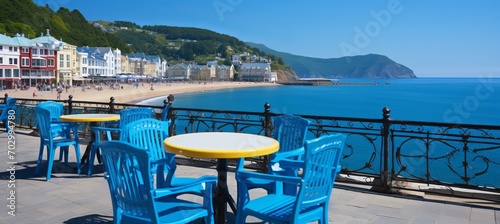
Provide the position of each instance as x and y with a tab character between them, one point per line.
25	17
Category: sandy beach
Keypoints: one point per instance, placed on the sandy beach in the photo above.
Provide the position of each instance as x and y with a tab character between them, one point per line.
130	93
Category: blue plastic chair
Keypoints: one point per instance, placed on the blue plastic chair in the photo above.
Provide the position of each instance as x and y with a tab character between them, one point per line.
52	141
321	165
5	108
58	127
290	131
133	197
126	116
149	134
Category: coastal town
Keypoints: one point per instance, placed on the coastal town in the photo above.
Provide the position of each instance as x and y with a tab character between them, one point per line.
47	61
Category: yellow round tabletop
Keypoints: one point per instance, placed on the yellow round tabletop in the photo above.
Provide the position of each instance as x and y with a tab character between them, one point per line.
220	145
90	117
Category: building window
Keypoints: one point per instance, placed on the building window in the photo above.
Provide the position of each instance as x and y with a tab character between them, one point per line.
39	62
16	73
51	52
50	62
8	73
1	47
26	50
1	60
15	49
34	51
1	72
10	49
25	62
11	61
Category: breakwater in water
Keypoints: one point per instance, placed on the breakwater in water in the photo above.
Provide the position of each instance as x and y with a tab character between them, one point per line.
330	83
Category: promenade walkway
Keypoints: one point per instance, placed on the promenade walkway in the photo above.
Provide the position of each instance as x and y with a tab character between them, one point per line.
72	198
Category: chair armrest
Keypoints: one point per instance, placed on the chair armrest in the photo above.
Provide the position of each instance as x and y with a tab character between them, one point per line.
205	181
243	175
283	155
64	123
94	128
289	163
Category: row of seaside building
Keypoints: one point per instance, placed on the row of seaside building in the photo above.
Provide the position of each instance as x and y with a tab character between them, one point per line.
41	60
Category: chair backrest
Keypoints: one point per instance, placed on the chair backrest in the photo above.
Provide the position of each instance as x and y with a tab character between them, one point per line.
9	105
55	108
44	120
164	113
321	166
290	131
133	114
147	133
127	172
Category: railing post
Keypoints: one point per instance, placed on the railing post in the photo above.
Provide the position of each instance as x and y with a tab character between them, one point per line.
382	183
70	104
267	131
111	105
267	119
386	177
169	101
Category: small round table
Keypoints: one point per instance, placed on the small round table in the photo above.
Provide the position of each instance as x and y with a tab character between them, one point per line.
93	119
221	146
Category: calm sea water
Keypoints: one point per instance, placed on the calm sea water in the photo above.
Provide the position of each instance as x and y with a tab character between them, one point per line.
456	100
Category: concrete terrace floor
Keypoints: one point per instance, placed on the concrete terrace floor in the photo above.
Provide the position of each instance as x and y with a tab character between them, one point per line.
72	198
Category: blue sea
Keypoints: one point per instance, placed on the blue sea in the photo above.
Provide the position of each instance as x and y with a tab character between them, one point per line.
455	100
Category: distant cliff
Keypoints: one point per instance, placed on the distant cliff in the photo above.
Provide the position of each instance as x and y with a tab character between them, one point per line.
363	66
286	76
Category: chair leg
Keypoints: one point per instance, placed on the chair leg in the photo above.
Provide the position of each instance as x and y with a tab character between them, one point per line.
65	151
63	154
240	217
78	162
50	163
160	176
324	219
39	162
91	159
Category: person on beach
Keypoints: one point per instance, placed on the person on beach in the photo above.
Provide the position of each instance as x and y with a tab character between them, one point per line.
59	91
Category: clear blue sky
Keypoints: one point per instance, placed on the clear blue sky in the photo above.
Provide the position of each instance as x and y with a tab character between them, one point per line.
435	38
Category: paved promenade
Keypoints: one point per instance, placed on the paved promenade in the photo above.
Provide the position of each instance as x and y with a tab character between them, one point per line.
72	198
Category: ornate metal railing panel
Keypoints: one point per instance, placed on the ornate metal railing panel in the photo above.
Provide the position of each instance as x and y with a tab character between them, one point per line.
446	154
362	152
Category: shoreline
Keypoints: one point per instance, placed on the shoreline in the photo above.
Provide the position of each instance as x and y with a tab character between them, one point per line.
131	94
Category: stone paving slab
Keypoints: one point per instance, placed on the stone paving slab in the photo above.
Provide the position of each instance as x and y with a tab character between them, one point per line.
72	198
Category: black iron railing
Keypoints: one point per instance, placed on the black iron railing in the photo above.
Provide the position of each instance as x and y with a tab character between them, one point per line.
462	155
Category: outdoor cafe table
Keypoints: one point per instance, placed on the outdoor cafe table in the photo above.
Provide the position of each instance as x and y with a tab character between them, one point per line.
93	119
221	146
